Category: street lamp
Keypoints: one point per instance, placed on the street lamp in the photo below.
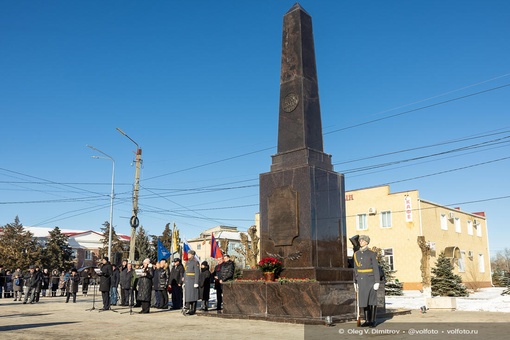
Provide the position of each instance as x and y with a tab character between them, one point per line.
134	222
111	197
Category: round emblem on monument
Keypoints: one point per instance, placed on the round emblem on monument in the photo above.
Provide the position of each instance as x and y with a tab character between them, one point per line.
290	102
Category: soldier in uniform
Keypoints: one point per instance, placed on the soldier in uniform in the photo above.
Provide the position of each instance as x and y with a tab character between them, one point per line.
366	280
191	280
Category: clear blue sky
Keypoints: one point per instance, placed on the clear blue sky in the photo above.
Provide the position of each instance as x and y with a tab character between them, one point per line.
196	85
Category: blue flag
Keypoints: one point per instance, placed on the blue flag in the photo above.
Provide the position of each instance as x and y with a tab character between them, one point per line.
163	253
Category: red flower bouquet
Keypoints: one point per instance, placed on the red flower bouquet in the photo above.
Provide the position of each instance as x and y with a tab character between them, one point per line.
270	264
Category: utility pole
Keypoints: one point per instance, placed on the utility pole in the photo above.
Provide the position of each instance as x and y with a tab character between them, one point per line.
112	195
134	222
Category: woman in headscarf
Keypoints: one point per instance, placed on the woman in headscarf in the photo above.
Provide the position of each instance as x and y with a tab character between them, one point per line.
145	286
204	285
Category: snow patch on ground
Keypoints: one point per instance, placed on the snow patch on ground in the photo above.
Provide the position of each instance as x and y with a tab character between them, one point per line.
486	299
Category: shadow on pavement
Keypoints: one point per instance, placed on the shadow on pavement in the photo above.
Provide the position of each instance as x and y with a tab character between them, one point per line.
32	325
19	315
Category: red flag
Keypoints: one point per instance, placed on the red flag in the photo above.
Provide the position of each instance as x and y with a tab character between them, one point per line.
215	248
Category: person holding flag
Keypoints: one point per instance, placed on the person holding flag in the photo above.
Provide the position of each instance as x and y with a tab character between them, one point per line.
218	255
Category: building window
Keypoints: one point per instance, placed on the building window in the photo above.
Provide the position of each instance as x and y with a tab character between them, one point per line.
88	255
478	227
386	219
481	264
460	261
457	225
199	246
361	222
388	258
444	222
470	227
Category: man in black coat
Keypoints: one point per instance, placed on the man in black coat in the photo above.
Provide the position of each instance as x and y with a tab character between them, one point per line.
161	290
32	280
114	293
176	277
217	285
126	285
39	274
105	282
122	269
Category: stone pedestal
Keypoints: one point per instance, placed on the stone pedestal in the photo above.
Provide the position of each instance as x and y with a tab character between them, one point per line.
295	301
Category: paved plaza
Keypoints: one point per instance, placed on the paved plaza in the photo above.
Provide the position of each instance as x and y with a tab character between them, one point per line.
52	318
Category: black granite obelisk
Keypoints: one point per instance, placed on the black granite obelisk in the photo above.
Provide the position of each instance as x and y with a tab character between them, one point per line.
302	203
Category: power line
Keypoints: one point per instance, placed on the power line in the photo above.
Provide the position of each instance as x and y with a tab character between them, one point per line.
419	109
451	170
330	132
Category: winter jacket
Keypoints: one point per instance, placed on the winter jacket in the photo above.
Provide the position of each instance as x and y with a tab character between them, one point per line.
145	285
115	278
176	275
72	283
39	280
45	280
55	278
105	277
32	280
227	271
204	284
17	274
126	278
163	279
155	279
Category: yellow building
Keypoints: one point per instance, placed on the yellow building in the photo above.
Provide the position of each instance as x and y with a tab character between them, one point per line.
396	222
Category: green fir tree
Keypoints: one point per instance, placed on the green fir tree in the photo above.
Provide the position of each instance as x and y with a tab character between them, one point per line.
18	247
153	249
57	253
444	282
166	237
392	286
499	279
142	245
117	245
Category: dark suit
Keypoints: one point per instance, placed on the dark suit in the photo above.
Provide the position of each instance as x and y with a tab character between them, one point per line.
105	283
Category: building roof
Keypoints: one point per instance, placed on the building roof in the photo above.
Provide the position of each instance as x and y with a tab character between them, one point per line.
45	232
229	235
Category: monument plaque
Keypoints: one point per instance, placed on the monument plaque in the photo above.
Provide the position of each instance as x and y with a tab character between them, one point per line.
283	216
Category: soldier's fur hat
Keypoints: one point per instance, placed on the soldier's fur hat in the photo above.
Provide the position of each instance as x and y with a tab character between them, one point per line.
364	237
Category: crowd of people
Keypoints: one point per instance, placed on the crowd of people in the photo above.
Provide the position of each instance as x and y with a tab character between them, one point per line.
142	285
150	284
30	285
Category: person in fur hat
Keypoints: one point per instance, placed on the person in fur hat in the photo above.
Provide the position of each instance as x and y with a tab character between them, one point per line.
366	280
